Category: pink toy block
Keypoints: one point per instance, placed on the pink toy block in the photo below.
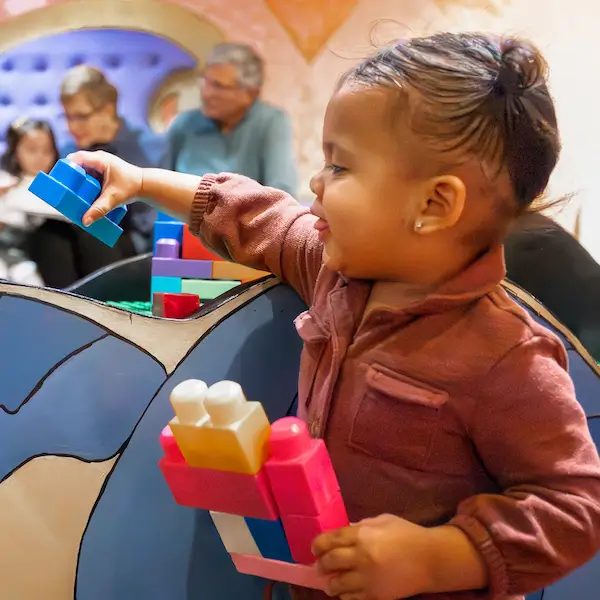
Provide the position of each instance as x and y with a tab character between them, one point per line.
180	267
276	570
299	470
301	531
222	491
167	248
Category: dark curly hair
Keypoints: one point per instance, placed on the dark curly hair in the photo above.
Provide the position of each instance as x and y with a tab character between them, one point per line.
477	96
14	134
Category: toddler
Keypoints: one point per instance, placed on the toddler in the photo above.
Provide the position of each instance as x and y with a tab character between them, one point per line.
462	453
31	148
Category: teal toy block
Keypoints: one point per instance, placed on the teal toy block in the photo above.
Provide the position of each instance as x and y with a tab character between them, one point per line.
71	191
166	285
168	230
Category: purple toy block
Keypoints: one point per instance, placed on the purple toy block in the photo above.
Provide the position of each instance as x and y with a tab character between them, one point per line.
167	248
179	267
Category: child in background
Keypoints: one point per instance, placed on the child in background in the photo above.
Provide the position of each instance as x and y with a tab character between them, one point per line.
31	148
462	453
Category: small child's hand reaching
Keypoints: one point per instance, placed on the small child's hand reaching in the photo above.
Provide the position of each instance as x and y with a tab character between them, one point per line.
122	181
386	558
376	559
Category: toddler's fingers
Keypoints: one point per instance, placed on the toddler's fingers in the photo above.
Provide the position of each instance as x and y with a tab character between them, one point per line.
349	582
338	559
346	536
95	160
106	202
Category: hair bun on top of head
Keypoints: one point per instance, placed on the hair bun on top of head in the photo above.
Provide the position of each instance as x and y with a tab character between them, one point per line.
521	67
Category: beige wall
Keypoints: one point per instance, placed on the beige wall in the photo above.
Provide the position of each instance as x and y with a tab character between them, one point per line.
301	72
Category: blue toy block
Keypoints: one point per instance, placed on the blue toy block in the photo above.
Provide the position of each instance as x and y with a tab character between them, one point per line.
166	285
168	230
71	191
270	539
162	217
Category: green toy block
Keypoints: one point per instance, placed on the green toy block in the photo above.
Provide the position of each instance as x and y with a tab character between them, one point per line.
207	289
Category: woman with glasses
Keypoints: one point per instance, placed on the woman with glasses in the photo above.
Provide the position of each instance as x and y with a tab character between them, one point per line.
90	104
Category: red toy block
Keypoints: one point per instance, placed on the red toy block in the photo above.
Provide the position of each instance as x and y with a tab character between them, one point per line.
174	306
180	306
222	491
193	248
301	531
299	470
276	570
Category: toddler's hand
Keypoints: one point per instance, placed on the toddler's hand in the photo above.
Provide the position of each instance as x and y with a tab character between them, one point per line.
383	558
122	181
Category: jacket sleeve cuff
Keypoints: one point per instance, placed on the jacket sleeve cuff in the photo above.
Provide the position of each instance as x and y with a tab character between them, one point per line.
480	538
202	199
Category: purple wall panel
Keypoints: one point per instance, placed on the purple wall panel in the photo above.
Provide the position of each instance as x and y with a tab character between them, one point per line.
136	62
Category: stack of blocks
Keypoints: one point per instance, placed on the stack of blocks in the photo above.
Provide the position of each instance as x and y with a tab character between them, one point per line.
181	264
270	489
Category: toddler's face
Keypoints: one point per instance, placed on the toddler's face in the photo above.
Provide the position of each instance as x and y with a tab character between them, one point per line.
366	196
35	152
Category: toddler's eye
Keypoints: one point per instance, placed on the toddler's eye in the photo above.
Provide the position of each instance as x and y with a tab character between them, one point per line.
335	169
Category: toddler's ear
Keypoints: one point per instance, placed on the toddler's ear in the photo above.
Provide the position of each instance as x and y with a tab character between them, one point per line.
443	204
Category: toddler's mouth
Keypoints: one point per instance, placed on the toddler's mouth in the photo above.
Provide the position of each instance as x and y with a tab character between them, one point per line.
321	223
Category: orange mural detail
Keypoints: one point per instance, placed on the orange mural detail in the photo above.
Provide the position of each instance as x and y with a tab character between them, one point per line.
310	23
491	6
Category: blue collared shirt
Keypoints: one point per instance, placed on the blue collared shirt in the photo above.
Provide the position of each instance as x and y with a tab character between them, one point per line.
261	147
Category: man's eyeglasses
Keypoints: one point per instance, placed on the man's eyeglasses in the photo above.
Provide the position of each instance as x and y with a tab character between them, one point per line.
217	86
78	117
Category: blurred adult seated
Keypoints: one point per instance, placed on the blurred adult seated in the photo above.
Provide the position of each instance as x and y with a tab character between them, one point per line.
548	262
90	104
64	252
234	131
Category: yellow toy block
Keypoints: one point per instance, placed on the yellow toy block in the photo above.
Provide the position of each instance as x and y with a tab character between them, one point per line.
229	270
187	399
217	428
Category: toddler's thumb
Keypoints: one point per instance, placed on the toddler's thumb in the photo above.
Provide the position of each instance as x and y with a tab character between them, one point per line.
106	202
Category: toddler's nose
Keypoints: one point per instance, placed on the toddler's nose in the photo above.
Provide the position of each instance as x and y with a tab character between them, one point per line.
316	185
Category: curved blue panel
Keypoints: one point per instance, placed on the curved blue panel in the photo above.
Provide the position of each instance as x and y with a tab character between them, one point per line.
53	333
101	392
139	543
583	583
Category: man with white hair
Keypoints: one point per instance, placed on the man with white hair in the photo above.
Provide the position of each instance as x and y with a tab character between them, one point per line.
234	131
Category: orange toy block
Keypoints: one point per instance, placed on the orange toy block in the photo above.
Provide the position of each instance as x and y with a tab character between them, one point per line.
217	428
227	270
193	248
276	570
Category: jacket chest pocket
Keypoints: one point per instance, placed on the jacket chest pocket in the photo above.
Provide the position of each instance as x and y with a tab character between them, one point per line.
397	418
